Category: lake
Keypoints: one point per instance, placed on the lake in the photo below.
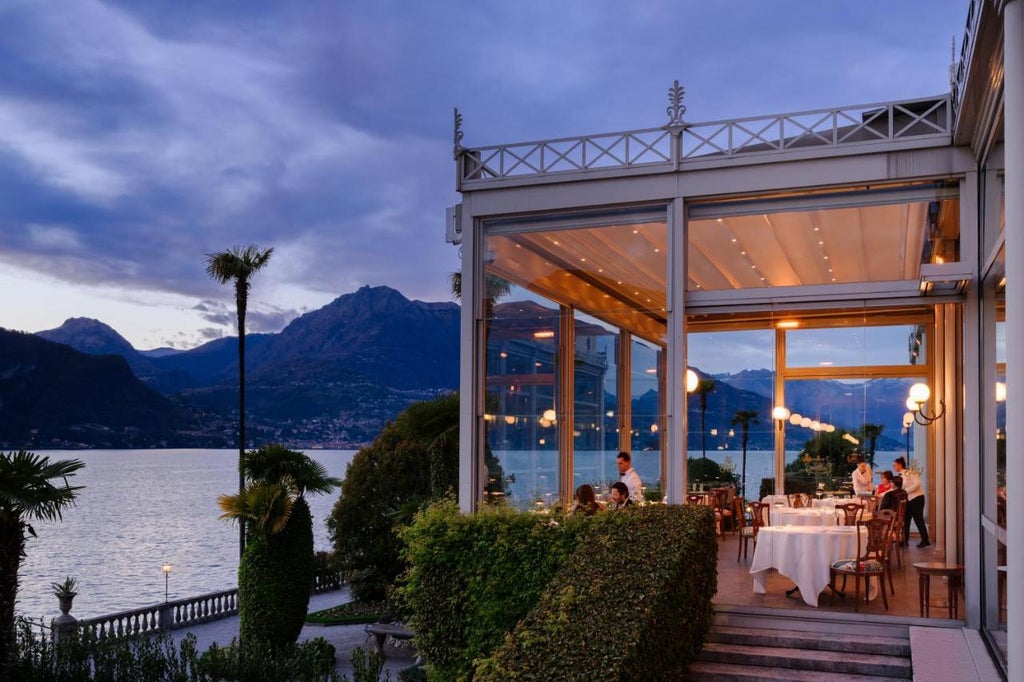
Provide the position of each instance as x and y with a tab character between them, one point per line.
141	509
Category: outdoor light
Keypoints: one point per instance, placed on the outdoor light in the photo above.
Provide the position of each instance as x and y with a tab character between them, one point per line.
781	412
654	428
166	568
691	381
1000	392
919	394
510	420
908	419
549	415
714	432
795	419
805	422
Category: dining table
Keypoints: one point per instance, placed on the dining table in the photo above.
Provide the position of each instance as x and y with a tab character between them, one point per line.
772	500
805	555
831	502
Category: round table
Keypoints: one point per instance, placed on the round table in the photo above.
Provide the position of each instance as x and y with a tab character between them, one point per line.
954	574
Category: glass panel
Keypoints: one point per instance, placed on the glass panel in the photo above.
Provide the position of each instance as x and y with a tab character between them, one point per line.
595	436
647	412
736	390
856	346
995	565
521	409
833	422
838	239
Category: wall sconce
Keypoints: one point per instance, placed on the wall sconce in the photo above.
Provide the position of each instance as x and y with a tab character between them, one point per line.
780	414
919	394
692	380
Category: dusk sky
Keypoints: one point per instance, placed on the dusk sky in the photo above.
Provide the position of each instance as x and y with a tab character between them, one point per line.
136	137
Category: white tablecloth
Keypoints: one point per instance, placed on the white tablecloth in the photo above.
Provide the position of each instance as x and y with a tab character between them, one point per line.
830	503
804	554
772	500
787	516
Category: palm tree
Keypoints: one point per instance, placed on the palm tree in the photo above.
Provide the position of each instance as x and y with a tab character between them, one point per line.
277	568
744	418
239	264
870	433
26	494
704	386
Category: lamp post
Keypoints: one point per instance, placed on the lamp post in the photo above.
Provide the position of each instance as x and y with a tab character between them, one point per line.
908	421
166	568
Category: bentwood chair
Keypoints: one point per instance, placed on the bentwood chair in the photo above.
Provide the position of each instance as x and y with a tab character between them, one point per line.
889	515
870	562
852	513
758	518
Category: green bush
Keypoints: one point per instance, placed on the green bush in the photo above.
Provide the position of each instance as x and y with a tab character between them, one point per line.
633	602
274	579
309	661
471	578
385	483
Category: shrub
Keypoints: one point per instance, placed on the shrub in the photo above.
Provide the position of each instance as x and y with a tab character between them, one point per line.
471	578
274	579
309	661
633	602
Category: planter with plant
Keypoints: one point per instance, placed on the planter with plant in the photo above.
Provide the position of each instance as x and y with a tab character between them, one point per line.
65	591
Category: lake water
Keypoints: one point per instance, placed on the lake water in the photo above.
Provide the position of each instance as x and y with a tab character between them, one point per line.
141	509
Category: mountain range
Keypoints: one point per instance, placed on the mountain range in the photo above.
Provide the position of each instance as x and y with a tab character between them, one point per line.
332	378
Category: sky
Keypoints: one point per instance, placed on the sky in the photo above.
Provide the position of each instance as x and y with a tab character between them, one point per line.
136	137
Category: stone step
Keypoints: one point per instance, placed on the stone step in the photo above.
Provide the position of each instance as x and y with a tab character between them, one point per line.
702	671
808	660
816	640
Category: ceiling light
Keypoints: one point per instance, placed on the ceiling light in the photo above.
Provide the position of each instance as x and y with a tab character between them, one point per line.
544	334
787	324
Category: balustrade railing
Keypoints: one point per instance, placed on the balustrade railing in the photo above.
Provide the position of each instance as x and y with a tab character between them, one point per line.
182	613
676	147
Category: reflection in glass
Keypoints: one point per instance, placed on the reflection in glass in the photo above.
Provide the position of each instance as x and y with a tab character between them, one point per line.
595	436
521	419
646	407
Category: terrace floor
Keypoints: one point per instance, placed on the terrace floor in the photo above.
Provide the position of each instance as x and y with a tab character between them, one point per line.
735	586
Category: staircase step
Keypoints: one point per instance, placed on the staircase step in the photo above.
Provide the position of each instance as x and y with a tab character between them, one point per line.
809	660
701	671
816	640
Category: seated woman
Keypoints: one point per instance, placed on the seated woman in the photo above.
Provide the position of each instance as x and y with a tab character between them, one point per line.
886	485
586	501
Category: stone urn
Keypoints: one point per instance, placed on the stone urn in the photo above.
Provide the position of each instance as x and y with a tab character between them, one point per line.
65	601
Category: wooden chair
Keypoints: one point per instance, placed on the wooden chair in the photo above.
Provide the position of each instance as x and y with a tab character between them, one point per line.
898	527
890	516
758	519
869	563
871	503
724	509
695	499
852	513
796	500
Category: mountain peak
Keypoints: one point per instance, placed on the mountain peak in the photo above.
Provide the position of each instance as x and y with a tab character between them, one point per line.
89	336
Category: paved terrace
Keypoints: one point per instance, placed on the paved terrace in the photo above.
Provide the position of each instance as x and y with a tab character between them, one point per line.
345	638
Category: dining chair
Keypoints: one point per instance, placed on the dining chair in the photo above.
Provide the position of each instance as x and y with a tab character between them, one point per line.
869	563
694	499
796	500
724	509
871	503
852	512
899	529
759	515
890	516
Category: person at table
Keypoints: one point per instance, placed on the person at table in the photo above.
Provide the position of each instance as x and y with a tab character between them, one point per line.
886	485
862	478
586	501
620	496
915	501
891	500
630	478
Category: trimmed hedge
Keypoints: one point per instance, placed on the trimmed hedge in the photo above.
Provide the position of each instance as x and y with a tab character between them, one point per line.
471	578
274	580
633	602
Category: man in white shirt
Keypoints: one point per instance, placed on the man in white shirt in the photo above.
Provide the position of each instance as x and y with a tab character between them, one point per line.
915	501
629	476
862	478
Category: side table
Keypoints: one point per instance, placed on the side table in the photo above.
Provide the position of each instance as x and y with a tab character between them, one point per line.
954	574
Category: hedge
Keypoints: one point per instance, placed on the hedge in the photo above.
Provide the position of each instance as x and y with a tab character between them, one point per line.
274	579
471	578
633	602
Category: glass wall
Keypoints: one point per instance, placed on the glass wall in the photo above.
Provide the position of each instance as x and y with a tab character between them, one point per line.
733	401
877	235
564	292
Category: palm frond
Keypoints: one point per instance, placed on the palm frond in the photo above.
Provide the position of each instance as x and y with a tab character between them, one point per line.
275	463
265	508
26	487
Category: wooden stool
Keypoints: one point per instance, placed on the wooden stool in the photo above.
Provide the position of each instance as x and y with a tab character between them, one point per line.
954	575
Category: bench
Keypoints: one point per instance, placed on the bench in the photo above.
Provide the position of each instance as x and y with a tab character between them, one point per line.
381	631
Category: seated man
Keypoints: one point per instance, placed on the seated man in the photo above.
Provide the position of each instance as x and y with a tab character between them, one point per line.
891	499
620	496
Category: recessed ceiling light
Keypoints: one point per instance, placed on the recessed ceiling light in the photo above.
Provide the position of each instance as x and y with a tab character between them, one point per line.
787	324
